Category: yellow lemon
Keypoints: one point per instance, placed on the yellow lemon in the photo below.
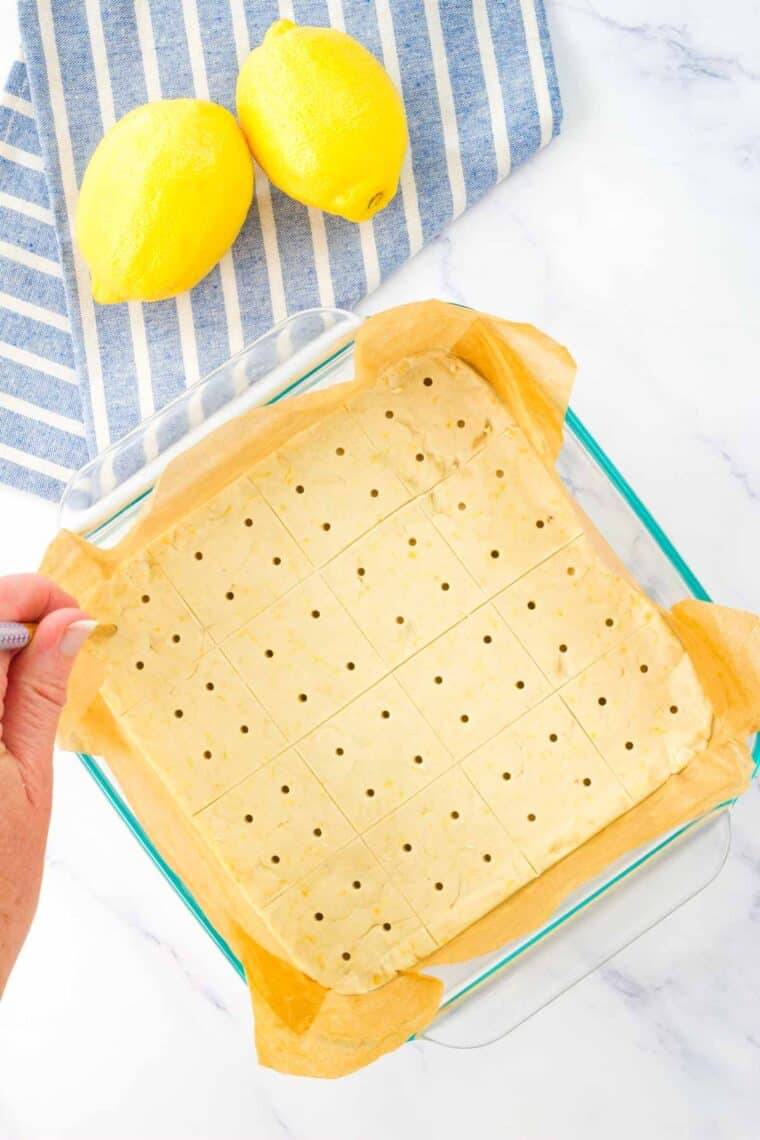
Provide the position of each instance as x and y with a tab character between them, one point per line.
162	199
323	119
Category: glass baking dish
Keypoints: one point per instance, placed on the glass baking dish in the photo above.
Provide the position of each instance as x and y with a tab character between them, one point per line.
484	998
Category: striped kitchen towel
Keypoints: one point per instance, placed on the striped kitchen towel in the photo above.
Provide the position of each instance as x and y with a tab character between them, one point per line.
481	95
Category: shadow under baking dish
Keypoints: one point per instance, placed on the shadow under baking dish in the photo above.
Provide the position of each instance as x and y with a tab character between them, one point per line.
486	997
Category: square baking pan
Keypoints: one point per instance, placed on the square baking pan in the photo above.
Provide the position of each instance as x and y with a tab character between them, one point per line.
486	997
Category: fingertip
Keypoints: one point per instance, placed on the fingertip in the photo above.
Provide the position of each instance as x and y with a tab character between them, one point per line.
52	631
75	635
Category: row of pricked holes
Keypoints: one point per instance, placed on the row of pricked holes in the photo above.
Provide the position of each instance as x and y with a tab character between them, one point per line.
464	717
418	759
276	560
495	553
438	679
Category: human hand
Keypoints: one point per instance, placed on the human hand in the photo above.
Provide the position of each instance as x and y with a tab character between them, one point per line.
32	694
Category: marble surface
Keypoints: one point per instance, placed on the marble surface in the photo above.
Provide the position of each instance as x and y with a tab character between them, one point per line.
635	240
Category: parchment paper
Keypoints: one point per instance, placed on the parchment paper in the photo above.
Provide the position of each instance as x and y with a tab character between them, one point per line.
300	1026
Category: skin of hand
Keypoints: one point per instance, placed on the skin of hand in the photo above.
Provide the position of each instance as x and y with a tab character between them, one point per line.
32	693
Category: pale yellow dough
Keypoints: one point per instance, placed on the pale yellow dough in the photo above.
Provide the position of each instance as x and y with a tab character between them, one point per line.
473	680
304	658
542	608
429	415
643	708
375	753
230	558
274	827
502	513
386	678
218	730
158	638
348	924
403	585
449	854
547	783
328	486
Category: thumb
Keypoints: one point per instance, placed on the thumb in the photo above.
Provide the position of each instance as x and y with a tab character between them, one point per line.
36	693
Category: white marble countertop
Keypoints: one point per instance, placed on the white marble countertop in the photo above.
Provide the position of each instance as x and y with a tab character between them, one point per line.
635	240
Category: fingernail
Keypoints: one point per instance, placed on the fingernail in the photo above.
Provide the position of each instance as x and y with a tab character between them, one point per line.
75	637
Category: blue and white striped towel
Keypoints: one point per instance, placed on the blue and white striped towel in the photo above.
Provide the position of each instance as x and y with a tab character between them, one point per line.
481	95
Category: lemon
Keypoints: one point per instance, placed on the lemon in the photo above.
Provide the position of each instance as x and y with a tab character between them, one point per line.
323	119
162	199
